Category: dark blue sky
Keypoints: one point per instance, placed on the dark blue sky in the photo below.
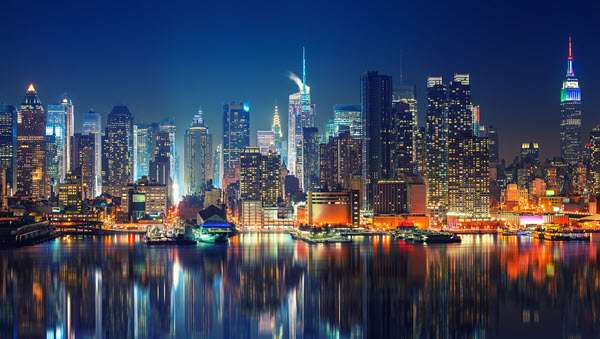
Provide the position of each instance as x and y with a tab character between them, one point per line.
168	58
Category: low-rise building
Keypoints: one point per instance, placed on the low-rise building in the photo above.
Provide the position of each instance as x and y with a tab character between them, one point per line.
144	200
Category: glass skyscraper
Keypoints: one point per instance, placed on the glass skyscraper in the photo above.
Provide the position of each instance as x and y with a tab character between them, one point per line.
55	127
236	132
118	150
8	145
198	157
437	147
570	111
92	124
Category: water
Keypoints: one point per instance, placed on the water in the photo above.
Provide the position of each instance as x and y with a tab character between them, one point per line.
266	286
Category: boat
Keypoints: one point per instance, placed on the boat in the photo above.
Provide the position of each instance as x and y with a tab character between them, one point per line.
155	236
323	237
554	232
213	226
428	236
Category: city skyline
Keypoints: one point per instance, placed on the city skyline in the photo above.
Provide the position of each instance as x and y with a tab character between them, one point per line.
177	88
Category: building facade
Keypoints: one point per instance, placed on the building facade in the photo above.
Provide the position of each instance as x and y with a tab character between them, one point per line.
118	150
437	148
236	132
92	124
8	146
198	157
570	111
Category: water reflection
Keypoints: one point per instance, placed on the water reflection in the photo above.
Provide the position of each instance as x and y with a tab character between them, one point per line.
272	286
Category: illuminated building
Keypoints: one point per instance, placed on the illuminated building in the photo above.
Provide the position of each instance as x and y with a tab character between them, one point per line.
595	159
492	135
71	192
340	160
8	146
198	157
266	141
168	125
347	118
143	148
301	114
278	217
310	158
83	159
530	152
537	188
32	178
53	162
468	177
477	128
570	111
250	177
118	150
251	213
144	198
403	151
460	118
407	94
217	167
236	132
376	97
92	123
55	127
437	147
276	128
270	174
394	197
579	178
421	143
160	165
69	129
333	208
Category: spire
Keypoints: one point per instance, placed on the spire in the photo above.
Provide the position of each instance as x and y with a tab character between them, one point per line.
570	72
303	70
276	123
65	100
198	118
31	88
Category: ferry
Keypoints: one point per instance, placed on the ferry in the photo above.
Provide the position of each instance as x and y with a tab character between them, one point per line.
155	236
427	236
553	232
213	226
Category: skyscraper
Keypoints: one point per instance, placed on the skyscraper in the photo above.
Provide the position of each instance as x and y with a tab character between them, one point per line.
32	178
56	127
270	177
460	117
236	132
376	94
347	118
595	159
492	134
83	158
168	125
8	145
340	161
530	152
266	141
310	159
218	167
276	128
92	124
143	133
437	148
198	157
250	176
407	94
468	177
570	111
119	146
301	114
403	151
69	129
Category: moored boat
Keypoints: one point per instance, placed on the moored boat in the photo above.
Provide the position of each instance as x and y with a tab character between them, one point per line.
213	226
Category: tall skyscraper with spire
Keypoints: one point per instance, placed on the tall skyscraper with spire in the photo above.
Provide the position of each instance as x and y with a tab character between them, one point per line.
69	130
276	128
570	112
32	178
301	115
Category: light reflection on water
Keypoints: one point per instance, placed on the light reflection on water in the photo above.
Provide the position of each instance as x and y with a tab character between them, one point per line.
268	285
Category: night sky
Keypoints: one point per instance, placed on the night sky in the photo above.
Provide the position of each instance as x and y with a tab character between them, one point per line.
168	58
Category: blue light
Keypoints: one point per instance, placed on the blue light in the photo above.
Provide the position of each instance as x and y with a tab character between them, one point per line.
246	107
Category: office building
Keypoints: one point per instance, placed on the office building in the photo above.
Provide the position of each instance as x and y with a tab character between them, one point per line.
143	150
301	114
118	150
477	128
310	158
92	124
56	162
403	151
460	117
530	153
71	192
276	128
340	160
376	94
395	197
407	94
492	135
347	118
144	200
69	129
218	167
236	132
168	125
83	159
270	179
250	176
468	177
436	148
198	157
570	111
8	146
32	178
340	208
594	161
266	141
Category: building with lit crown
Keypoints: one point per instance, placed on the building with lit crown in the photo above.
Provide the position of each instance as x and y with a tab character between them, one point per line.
436	148
570	112
236	132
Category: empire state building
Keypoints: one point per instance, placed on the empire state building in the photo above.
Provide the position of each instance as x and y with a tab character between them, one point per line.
570	112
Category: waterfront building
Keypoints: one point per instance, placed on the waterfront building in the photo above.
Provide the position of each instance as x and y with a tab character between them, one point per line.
71	192
468	177
198	157
376	95
332	208
118	151
301	114
83	159
460	117
144	199
278	217
56	160
270	174
570	111
340	160
236	132
32	177
403	151
69	129
8	147
437	148
310	158
251	213
395	197
92	124
530	153
250	176
266	141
